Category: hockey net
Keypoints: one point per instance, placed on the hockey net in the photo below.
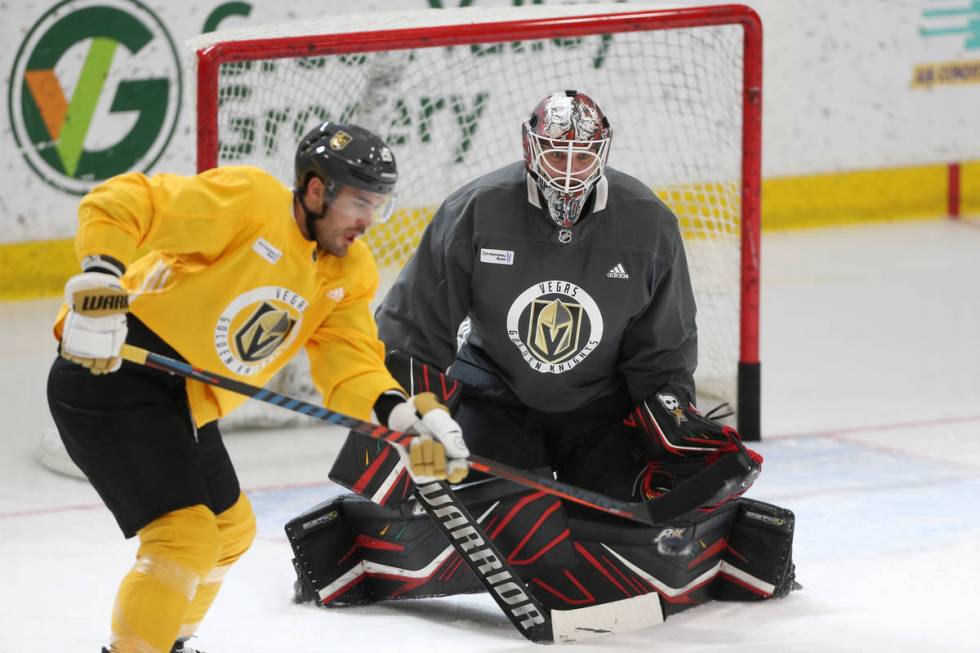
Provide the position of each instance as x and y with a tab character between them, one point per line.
449	89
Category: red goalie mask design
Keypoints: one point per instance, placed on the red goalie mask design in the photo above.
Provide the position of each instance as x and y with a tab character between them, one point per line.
566	145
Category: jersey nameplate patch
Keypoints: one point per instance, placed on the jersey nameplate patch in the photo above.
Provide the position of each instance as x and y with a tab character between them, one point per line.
497	256
264	248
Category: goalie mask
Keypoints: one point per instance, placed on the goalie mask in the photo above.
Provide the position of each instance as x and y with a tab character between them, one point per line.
566	145
346	155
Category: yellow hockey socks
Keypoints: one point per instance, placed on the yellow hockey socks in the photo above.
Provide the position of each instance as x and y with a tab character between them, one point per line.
236	530
176	551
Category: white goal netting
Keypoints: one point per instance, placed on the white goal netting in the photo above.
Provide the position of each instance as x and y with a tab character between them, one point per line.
450	101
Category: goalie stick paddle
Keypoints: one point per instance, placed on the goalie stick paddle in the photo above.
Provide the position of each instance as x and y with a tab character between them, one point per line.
731	474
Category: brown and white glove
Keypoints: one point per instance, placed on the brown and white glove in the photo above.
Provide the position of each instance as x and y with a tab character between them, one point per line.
438	452
95	328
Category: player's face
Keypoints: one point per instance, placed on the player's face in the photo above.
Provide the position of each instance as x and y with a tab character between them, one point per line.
577	162
348	216
566	163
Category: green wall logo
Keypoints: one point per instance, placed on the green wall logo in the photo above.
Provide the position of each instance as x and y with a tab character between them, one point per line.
95	91
954	21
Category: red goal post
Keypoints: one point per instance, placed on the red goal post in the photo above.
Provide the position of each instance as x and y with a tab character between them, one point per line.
693	72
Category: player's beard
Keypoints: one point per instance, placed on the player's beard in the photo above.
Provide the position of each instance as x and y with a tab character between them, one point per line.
334	234
324	244
336	241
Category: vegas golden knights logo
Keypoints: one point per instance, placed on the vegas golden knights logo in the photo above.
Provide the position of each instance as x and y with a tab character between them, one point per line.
555	325
262	333
554	330
340	140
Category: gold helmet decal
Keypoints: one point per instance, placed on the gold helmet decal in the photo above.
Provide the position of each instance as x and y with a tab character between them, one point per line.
340	140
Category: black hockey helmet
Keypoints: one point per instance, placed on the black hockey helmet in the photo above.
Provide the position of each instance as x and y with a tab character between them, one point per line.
343	154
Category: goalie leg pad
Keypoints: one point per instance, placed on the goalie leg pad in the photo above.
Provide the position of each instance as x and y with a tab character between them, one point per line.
372	469
741	551
349	551
758	563
620	560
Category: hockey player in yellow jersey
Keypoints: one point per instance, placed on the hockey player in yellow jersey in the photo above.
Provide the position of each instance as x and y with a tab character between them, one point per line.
240	272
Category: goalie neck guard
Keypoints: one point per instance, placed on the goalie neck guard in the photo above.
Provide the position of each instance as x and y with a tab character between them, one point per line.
566	144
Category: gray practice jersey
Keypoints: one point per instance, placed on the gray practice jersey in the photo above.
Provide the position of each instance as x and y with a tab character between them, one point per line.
563	323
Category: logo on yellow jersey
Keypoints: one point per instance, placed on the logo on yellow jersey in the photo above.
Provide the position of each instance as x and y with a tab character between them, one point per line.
257	327
263	332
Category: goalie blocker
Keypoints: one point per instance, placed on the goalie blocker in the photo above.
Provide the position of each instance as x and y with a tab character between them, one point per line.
379	544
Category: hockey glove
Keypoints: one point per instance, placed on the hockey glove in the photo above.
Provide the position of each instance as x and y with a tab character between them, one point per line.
674	426
680	442
95	328
438	453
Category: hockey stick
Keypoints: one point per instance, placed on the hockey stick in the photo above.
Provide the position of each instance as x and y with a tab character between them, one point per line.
732	473
532	619
483	558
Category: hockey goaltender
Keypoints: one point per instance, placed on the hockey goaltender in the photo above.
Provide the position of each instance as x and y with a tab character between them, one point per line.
575	360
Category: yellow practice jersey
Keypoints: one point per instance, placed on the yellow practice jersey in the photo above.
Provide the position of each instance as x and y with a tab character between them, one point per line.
233	286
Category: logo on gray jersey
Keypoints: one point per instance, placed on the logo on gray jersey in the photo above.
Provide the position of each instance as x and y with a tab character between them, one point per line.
555	328
618	272
555	325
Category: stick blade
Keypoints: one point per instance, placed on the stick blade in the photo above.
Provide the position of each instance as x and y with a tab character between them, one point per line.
623	616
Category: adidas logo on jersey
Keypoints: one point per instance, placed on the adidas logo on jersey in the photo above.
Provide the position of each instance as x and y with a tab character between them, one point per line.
618	272
336	294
